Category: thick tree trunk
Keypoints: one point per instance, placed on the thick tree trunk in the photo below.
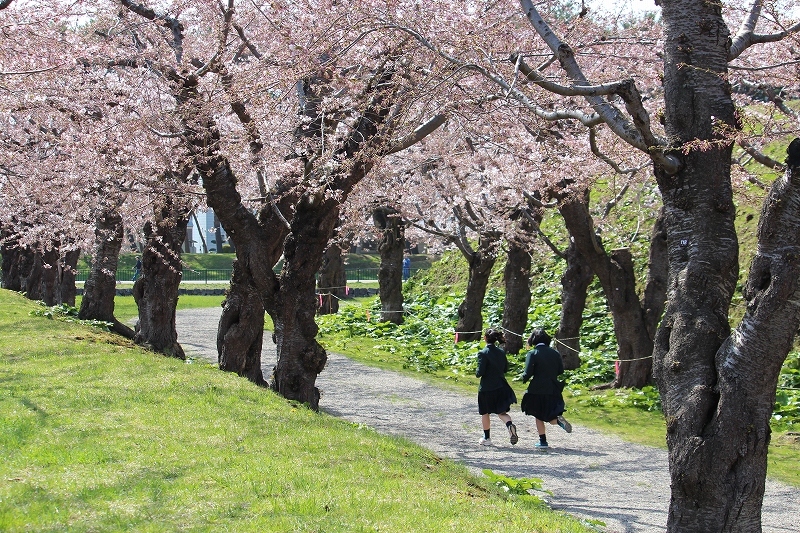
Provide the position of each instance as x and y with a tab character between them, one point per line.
67	270
616	275
156	291
655	292
49	289
17	262
387	220
241	328
11	252
717	389
470	312
332	279
300	357
101	285
574	286
517	278
290	300
31	268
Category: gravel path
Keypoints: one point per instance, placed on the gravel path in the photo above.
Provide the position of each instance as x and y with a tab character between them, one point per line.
590	475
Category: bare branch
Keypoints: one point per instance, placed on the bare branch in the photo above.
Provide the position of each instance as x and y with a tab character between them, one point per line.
610	162
278	212
168	22
247	42
761	157
26	72
637	133
765	67
745	37
417	135
541	234
538	203
168	135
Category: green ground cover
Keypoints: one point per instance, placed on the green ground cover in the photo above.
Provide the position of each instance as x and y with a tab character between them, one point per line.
424	345
98	435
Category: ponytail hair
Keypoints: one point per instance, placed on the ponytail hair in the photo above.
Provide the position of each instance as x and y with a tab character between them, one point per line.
493	336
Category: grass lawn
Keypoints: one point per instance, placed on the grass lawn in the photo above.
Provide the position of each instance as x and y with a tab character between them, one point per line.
99	435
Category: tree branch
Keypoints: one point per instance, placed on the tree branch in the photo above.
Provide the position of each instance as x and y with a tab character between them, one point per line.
417	135
168	22
745	37
638	134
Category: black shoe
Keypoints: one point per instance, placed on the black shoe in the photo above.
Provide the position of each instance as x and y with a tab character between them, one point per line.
512	430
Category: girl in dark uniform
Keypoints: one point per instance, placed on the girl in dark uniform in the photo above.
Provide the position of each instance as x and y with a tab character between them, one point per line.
543	400
495	395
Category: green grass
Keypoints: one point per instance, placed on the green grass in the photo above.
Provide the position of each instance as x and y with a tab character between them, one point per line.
98	435
419	348
125	307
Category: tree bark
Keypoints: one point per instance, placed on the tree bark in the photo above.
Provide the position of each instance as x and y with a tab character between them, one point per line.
10	252
616	275
58	275
101	285
574	286
17	263
300	357
240	333
156	291
332	279
517	279
31	268
655	292
49	288
717	389
67	270
388	221
470	312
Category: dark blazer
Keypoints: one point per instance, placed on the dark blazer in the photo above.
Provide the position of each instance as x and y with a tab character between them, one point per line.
543	365
492	366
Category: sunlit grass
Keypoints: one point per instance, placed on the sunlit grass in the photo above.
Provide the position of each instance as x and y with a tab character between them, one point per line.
99	435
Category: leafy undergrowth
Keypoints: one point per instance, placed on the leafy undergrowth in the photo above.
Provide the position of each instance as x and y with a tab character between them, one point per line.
425	344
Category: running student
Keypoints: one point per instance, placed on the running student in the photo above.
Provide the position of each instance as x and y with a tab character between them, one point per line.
543	399
495	395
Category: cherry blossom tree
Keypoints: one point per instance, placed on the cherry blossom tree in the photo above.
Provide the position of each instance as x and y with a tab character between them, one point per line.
717	400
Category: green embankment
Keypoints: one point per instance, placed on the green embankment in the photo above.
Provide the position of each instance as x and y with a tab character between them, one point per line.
98	435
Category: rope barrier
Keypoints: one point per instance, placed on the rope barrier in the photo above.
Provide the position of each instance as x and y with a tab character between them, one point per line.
557	341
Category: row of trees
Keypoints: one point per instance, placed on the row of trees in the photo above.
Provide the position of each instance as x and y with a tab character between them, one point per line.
296	121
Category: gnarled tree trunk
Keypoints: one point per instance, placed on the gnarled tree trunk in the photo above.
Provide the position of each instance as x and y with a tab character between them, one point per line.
31	269
11	253
389	223
616	275
156	291
101	285
17	263
332	279
240	332
517	278
49	288
300	357
574	285
718	389
67	270
470	312
58	275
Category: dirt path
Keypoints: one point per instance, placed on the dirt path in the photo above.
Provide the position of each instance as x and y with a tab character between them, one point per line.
590	475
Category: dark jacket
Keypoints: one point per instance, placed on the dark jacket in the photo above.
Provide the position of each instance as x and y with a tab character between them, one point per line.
543	365
492	366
